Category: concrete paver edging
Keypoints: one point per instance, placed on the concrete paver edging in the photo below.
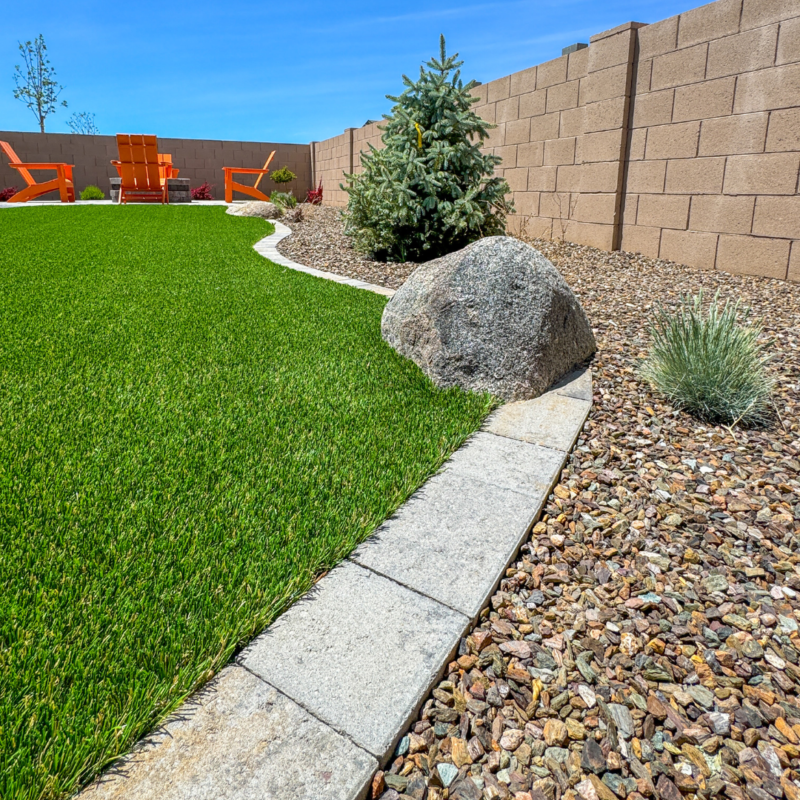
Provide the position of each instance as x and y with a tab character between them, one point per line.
316	703
268	247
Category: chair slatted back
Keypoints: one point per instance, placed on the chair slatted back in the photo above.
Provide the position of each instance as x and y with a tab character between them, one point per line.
138	155
15	159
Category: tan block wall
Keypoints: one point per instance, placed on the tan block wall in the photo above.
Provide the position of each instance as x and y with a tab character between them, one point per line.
678	140
199	160
331	159
713	180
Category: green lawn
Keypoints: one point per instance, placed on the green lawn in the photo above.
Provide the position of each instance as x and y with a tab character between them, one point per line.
189	435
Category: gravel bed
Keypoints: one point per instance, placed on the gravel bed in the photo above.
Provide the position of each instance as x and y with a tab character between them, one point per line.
318	241
646	642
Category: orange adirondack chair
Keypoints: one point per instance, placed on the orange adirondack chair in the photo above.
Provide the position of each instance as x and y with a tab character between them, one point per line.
62	182
167	171
140	167
232	186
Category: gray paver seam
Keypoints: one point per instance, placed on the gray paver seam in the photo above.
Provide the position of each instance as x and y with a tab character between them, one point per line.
241	665
565	451
240	661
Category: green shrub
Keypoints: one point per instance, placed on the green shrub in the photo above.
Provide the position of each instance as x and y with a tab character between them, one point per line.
283	200
430	190
283	175
92	193
709	365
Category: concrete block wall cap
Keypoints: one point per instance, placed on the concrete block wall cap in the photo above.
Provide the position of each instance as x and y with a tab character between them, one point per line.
239	738
360	652
626	26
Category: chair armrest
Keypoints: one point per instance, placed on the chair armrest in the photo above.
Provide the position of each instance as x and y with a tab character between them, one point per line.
246	171
40	166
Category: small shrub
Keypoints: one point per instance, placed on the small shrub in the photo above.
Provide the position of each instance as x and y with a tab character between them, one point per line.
314	197
202	192
430	190
283	175
92	193
7	194
709	365
283	200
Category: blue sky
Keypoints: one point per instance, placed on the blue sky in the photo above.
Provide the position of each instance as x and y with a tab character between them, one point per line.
277	71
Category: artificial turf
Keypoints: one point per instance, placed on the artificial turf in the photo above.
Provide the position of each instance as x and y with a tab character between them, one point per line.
189	435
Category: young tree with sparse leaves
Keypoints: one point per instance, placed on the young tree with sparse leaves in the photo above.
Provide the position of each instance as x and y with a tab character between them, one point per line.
430	190
83	122
36	86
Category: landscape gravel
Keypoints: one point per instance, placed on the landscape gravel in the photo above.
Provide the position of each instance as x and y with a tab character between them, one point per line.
645	643
318	240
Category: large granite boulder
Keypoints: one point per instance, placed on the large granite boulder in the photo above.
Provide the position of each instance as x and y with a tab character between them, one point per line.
494	317
255	208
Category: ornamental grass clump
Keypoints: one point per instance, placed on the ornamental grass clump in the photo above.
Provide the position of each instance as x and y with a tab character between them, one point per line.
708	364
283	200
430	190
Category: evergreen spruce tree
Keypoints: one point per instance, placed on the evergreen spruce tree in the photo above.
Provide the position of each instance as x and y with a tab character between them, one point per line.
430	190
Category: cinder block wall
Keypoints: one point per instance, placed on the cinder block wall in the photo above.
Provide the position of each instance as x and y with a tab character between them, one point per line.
199	160
715	146
331	159
679	139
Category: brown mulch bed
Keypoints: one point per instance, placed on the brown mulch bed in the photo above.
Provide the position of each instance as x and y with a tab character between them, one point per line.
646	641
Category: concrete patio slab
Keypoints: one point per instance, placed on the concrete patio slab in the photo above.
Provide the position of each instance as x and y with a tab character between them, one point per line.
453	539
360	652
239	738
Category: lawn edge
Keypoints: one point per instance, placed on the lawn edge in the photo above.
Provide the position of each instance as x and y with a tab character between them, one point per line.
268	247
366	610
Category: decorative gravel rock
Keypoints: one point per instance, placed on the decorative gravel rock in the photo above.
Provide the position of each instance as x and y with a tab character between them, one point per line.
621	604
494	317
254	208
318	240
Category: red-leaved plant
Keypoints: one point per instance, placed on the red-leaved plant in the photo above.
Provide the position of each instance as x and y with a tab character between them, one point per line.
202	192
7	194
315	196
